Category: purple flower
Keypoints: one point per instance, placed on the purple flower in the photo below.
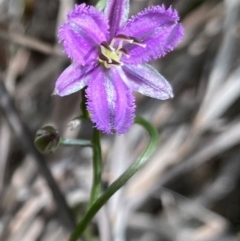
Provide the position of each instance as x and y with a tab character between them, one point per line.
109	55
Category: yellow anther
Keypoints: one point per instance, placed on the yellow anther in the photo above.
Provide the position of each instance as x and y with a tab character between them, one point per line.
109	56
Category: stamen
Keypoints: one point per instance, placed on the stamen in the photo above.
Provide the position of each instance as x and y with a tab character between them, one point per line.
110	54
129	39
138	42
114	62
112	42
124	51
124	38
107	46
120	44
103	57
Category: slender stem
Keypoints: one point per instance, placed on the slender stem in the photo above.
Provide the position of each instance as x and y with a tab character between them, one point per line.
116	185
75	142
97	155
83	105
97	167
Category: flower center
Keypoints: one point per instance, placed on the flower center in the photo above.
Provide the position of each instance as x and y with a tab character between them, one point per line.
110	54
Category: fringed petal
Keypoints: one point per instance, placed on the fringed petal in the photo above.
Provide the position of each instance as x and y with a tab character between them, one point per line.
73	78
146	80
110	102
116	11
81	35
155	27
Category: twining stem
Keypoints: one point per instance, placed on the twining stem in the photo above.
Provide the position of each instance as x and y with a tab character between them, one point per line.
75	142
116	185
97	167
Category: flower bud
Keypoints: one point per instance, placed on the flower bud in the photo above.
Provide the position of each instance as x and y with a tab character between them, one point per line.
47	139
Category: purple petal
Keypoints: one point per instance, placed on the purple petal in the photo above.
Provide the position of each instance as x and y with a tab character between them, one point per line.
157	28
116	11
110	102
72	79
146	80
81	35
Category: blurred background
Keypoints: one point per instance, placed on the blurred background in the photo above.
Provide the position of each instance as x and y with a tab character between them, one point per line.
189	189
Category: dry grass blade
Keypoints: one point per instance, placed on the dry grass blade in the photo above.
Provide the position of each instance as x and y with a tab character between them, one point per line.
30	43
223	61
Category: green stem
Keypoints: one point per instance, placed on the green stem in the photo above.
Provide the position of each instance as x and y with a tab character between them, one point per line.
83	105
97	167
75	142
116	185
